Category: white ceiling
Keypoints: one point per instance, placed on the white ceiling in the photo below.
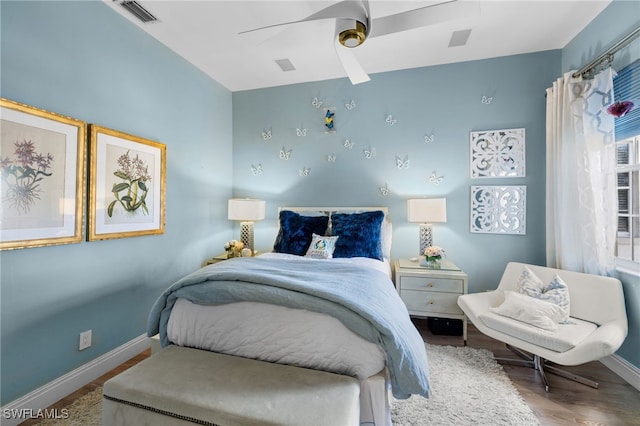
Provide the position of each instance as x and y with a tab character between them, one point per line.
205	33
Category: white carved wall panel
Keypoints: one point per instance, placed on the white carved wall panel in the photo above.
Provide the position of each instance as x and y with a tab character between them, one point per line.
497	153
498	209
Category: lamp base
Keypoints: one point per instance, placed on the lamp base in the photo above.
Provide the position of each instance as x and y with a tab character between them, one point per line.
246	234
426	237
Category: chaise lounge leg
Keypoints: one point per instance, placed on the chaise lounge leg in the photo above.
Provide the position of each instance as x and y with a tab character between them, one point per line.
540	365
520	353
571	376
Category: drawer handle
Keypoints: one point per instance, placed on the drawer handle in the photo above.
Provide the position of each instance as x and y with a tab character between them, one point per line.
430	301
430	285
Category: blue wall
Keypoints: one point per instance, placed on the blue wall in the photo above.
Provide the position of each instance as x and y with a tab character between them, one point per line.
84	60
443	101
615	22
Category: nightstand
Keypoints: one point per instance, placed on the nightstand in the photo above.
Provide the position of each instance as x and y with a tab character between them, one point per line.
430	292
216	259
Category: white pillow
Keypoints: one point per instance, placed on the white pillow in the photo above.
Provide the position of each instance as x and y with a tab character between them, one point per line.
321	247
386	237
556	291
538	313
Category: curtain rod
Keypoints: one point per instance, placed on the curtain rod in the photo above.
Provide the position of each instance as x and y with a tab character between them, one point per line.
607	56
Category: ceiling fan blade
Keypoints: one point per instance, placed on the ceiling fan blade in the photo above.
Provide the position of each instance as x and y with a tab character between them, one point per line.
424	16
347	9
367	10
352	67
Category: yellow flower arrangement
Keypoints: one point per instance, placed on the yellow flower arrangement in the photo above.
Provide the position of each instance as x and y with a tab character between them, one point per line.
233	248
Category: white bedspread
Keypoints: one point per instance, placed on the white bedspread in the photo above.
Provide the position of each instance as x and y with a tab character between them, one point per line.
275	334
380	265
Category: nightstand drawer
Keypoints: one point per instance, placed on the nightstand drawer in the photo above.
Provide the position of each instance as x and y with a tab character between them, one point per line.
448	285
431	302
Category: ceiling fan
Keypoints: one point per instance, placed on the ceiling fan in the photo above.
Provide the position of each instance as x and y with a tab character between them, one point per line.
354	25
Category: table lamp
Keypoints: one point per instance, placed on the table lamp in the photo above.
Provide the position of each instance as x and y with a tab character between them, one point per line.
247	211
426	211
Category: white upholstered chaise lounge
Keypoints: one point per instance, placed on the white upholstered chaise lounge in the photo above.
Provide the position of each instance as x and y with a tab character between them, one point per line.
597	328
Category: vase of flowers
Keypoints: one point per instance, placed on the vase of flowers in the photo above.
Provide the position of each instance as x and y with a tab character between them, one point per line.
233	248
433	255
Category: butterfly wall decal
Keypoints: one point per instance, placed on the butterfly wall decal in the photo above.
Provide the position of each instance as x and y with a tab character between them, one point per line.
435	179
304	171
351	105
390	120
331	158
402	163
301	132
486	100
316	103
429	138
266	134
384	190
348	144
256	170
369	153
284	153
328	119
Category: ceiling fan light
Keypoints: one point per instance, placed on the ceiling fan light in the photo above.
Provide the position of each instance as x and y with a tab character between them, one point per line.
353	37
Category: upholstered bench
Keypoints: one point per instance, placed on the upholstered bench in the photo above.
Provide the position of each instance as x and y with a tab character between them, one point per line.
183	386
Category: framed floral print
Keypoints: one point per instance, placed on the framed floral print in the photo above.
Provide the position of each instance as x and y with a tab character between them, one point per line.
42	169
126	185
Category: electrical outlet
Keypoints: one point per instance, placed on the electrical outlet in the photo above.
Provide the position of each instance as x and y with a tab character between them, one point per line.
85	340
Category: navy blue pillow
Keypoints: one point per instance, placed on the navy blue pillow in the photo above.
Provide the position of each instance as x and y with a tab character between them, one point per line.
359	234
296	232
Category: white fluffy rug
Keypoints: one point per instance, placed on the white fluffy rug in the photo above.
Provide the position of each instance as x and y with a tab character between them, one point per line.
468	387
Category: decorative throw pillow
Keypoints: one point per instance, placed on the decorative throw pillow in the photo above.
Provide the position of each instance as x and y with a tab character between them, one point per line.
555	292
321	247
359	234
529	310
296	231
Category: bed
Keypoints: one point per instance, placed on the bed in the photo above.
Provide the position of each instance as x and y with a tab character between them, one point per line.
323	299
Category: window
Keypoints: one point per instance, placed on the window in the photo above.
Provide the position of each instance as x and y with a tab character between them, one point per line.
628	172
626	86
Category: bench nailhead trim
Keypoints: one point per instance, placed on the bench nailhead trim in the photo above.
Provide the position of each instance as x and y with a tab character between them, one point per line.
164	412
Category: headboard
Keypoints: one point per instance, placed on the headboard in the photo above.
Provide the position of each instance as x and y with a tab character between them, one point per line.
385	210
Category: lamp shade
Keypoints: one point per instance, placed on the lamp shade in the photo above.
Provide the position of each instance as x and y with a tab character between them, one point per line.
246	209
427	210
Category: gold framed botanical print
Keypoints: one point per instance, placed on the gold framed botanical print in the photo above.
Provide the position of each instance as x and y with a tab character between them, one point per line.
42	169
127	181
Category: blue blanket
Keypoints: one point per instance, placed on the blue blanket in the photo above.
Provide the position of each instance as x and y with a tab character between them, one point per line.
363	299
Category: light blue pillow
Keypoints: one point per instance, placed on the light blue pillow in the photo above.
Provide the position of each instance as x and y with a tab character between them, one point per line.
556	292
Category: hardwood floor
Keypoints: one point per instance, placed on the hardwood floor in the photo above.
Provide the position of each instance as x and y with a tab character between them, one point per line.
69	399
614	403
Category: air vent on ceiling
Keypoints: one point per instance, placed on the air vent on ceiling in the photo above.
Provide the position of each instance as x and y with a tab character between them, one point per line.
138	11
459	38
285	65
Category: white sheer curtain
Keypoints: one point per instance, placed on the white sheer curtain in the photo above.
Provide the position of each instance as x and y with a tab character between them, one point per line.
581	203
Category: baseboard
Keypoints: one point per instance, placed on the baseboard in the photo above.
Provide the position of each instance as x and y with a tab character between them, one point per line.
623	368
57	389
